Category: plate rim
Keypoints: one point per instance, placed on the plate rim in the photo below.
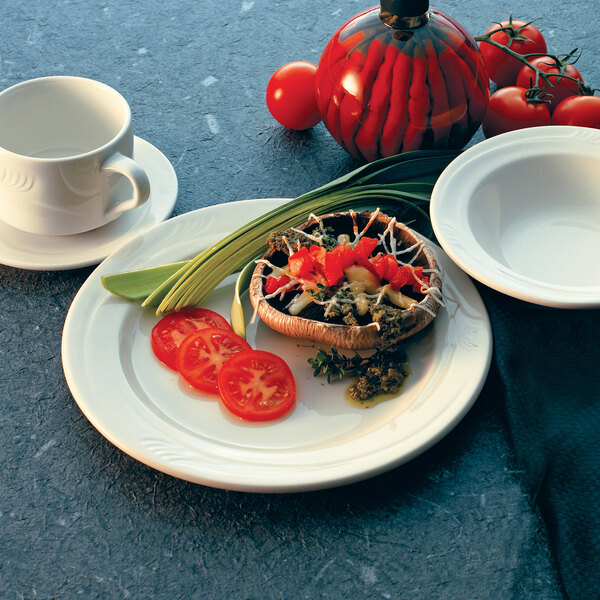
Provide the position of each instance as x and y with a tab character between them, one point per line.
303	481
488	270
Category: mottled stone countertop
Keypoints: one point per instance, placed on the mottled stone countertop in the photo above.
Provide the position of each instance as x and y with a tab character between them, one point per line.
80	518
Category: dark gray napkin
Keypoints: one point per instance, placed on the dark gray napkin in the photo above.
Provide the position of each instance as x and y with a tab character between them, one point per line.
549	363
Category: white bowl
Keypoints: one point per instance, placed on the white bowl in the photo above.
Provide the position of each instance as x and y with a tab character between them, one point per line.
520	212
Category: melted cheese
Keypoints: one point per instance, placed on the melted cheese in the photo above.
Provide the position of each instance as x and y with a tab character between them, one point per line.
299	303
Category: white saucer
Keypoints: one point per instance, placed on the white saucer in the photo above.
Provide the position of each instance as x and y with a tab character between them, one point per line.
58	252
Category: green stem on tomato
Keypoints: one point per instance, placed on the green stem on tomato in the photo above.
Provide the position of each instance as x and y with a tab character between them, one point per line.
523	58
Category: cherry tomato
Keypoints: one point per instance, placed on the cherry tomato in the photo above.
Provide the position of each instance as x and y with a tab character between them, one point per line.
170	331
291	98
510	109
524	38
583	111
257	386
562	88
202	354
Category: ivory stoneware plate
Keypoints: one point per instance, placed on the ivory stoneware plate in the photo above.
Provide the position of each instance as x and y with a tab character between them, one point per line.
147	410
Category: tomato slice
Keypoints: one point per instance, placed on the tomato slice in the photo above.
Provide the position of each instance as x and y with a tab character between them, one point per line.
170	331
202	354
257	386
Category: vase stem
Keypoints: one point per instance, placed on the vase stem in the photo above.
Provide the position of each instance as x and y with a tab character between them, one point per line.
404	14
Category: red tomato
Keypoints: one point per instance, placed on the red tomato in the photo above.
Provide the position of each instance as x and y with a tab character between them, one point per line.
510	109
578	110
257	386
169	332
291	98
562	88
203	353
523	38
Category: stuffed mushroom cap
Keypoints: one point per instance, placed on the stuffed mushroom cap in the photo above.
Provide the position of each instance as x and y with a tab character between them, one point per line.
353	337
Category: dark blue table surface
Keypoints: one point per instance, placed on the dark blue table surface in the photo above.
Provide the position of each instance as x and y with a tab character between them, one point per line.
78	518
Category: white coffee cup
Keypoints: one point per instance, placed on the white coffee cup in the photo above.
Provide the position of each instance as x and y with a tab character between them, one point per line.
66	146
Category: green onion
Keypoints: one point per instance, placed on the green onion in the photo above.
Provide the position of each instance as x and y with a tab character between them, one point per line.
385	183
136	286
236	315
389	183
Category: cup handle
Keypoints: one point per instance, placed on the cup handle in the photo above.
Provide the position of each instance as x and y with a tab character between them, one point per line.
119	163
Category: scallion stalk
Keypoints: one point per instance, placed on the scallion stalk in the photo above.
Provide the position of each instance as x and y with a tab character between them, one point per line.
404	179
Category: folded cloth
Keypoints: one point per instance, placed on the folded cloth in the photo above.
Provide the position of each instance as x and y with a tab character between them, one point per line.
549	363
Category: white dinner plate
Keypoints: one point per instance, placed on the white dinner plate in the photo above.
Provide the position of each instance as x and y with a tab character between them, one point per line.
60	252
520	212
147	411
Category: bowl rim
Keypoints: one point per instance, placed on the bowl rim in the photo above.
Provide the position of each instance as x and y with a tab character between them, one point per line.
450	219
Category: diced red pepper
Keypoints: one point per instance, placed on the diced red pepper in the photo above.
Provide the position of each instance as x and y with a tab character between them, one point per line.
402	277
393	269
366	245
385	266
345	254
379	265
301	262
272	284
318	253
363	261
417	272
312	281
327	263
315	265
387	269
332	269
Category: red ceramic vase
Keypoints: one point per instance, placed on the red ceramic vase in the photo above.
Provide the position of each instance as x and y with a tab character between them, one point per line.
398	77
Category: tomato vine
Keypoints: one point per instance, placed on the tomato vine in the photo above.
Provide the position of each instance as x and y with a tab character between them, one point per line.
562	60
